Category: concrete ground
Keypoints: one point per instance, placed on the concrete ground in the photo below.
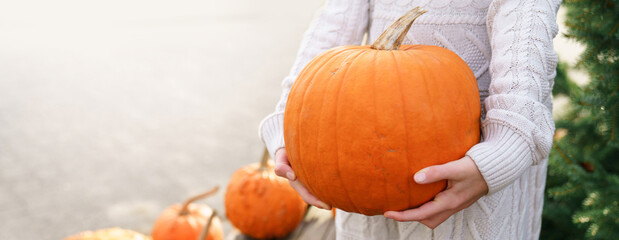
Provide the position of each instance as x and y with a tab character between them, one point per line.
112	110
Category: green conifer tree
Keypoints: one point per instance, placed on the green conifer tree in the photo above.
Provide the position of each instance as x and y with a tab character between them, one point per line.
582	190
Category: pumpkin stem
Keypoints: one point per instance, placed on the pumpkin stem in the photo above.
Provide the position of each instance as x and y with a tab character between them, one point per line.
204	233
392	38
264	162
185	207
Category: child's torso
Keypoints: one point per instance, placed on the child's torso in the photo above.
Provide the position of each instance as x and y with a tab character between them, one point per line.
458	25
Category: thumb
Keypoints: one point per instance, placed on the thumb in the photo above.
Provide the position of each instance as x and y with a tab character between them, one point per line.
282	166
437	173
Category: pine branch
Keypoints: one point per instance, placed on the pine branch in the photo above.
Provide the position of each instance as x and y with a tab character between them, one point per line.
612	131
614	30
561	153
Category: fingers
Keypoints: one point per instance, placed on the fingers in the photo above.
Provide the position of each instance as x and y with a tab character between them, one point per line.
283	169
423	212
432	213
307	196
465	186
462	193
434	221
282	166
452	170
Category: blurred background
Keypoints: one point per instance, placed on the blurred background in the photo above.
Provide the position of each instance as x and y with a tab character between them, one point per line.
112	110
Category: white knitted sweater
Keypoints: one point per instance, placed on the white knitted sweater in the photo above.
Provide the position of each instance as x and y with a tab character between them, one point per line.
508	45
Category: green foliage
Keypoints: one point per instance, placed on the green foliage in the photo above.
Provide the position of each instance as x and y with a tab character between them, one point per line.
562	85
582	190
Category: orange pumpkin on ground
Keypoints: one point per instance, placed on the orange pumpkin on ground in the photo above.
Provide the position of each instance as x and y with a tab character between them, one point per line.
262	205
361	120
189	221
109	234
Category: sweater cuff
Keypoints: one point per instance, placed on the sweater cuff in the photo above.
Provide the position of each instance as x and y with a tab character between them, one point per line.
272	132
502	157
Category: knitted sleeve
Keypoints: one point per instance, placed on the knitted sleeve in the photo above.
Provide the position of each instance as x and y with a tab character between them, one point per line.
338	23
518	126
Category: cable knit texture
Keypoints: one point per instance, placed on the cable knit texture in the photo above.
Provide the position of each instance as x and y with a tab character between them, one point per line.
508	45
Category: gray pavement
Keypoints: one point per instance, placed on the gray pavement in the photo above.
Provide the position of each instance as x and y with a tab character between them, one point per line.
112	110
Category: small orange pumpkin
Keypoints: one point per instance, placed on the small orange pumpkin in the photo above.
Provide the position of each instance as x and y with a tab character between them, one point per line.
361	120
109	234
261	204
189	221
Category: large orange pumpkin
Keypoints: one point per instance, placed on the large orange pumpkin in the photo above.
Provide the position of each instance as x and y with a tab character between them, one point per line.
189	221
361	120
262	205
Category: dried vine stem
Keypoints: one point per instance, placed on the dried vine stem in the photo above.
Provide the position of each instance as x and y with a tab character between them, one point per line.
392	38
204	233
185	207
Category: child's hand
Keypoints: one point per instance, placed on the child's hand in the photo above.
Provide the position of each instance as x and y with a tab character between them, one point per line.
283	169
465	185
